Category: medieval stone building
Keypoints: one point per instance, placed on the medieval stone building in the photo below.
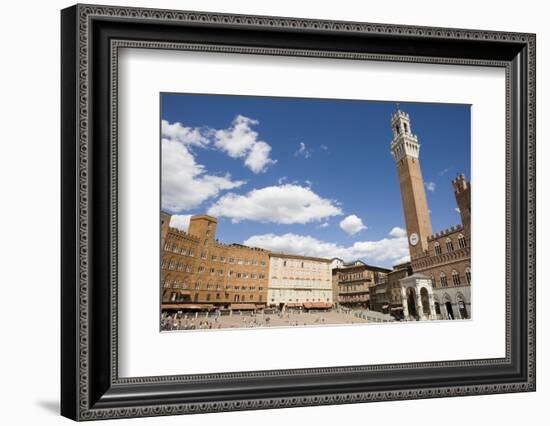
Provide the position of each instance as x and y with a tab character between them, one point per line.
355	283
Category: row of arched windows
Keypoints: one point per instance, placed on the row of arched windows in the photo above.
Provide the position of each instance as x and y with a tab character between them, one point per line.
178	297
455	277
173	264
179	249
174	282
449	245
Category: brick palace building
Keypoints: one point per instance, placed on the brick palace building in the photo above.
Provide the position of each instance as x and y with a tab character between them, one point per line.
199	273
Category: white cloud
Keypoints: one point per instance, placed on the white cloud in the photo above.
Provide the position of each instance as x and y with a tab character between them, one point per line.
352	224
302	151
282	180
185	135
444	172
324	225
402	260
258	157
185	184
180	221
457	210
324	147
387	250
284	204
430	186
398	232
240	141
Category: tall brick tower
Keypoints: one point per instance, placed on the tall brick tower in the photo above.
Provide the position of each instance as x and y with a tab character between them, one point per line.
405	150
164	226
462	195
204	227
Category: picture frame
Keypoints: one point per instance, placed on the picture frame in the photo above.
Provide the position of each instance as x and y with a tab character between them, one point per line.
90	385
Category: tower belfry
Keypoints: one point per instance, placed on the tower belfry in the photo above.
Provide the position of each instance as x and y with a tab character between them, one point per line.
405	150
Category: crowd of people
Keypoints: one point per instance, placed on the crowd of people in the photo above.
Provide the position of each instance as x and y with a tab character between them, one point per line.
181	321
249	319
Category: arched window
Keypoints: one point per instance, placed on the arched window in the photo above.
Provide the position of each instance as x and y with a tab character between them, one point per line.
456	278
461	306
468	276
437	248
443	280
449	245
461	241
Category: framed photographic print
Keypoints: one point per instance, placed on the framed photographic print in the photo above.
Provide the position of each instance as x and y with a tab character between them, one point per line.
263	212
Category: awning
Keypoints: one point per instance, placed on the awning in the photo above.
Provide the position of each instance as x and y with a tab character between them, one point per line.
243	306
190	306
396	308
317	305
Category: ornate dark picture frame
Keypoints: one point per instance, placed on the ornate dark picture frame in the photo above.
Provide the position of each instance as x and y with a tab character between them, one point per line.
91	37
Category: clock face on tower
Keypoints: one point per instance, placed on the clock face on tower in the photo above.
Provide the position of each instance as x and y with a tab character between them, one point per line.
413	239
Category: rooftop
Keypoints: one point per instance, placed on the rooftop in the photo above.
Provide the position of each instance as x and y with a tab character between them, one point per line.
298	256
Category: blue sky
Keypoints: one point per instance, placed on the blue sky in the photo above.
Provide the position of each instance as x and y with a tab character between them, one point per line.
284	173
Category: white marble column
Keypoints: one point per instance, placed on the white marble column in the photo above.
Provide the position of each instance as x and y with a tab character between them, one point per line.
419	307
404	303
433	314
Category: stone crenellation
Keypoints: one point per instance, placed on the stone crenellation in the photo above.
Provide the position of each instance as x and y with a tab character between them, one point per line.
180	234
445	232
